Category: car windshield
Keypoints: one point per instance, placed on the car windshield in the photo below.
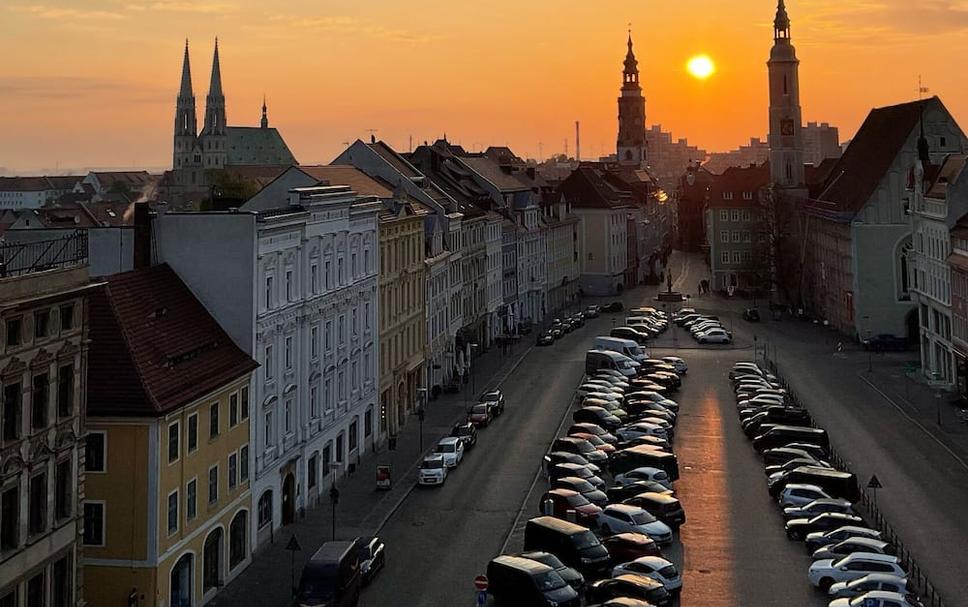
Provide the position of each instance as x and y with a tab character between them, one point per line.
669	571
479	409
365	552
584	446
577	500
445	449
642	518
317	588
594	440
431	464
586	539
490	397
583	486
549	581
548	559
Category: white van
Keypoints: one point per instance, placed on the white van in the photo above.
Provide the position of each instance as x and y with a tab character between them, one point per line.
627	347
609	359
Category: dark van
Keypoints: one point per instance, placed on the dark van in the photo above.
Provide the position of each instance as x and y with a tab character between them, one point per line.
660	505
513	580
779	436
644	455
834	482
573	544
332	577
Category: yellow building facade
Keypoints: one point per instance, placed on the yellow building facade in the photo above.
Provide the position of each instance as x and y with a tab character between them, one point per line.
168	505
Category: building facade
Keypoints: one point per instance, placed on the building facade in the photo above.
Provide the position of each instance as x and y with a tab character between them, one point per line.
690	204
561	277
297	289
820	142
43	375
168	506
958	266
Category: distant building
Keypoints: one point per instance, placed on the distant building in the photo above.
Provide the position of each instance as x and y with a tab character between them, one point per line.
18	193
690	204
754	153
668	157
958	266
44	341
820	142
219	146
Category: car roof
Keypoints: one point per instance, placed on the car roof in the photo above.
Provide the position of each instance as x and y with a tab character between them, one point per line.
522	564
792	486
434	457
561	491
871	556
864	541
856	529
657	497
886	595
448	440
633	537
656	562
626	508
624	601
882	577
638	580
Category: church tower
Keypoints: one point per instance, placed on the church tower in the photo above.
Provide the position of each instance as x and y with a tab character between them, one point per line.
214	134
631	147
186	127
785	139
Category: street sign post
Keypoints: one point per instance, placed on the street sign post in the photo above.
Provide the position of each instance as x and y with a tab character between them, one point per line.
293	547
874	484
480	582
482	598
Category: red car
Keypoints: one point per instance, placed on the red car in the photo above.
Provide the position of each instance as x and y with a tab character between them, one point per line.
480	415
625	547
564	500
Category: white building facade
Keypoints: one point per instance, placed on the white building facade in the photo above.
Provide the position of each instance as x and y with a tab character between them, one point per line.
494	276
297	288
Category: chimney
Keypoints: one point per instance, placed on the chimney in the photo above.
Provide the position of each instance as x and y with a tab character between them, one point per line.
142	236
577	141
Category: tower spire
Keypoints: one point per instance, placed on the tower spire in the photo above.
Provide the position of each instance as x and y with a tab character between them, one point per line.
215	122
265	116
215	88
781	23
186	78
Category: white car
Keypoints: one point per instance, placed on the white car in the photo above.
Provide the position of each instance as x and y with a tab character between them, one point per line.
714	336
653	567
644	473
633	431
677	363
799	494
451	449
622	518
868	583
879	598
615	381
826	572
818	507
433	470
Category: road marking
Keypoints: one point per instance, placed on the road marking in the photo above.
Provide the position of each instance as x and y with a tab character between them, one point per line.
957	457
537	474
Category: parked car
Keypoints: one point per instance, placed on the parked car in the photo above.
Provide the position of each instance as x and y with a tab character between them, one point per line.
660	505
799	528
372	557
587	490
595	429
715	336
592	312
639	337
332	576
818	506
618	518
624	460
834	482
885	342
629	546
433	470
583	472
632	586
677	363
480	415
799	494
579	446
779	469
644	473
451	449
879	598
513	580
596	442
615	306
620	493
655	567
819	539
781	455
565	500
751	315
558	457
495	400
826	572
852	545
870	582
575	545
571	576
623	601
779	436
596	415
467	433
546	339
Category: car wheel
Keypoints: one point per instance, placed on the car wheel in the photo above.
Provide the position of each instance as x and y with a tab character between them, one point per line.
795	535
825	584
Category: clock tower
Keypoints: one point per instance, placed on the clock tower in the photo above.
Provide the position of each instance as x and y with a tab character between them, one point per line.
631	146
785	139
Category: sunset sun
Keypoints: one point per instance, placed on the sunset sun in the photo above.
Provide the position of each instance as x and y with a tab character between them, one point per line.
701	67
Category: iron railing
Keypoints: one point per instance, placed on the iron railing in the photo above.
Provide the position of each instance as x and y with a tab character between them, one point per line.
18	258
868	501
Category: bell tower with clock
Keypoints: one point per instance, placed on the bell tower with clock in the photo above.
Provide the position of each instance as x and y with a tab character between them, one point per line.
786	138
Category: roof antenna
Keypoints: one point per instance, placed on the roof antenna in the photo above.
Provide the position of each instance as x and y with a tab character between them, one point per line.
372	133
922	90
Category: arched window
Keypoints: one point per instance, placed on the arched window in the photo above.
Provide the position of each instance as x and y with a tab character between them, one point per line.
265	509
238	536
212	566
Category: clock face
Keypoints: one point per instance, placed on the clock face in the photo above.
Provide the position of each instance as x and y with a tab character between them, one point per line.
786	127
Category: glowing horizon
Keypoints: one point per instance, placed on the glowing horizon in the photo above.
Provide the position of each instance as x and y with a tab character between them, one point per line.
93	82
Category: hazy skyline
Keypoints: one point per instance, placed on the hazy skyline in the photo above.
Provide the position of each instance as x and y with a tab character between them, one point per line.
93	82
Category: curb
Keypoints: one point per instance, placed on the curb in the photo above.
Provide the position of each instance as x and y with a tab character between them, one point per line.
396	506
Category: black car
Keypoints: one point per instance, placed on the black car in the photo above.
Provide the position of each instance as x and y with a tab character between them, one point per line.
629	585
372	557
546	339
571	576
635	335
467	433
885	342
620	493
751	315
495	400
799	528
615	306
558	457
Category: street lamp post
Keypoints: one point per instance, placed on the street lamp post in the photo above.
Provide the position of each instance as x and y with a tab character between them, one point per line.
937	402
421	408
334	497
473	376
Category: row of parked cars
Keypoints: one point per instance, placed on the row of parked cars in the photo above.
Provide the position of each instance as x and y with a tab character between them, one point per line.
851	561
449	451
610	506
704	328
563	326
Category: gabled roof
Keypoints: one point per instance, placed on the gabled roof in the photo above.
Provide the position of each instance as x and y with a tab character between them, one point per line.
37	184
735	181
256	145
394	159
502	177
589	188
855	177
155	347
338	174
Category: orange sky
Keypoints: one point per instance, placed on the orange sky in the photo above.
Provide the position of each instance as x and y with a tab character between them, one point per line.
92	82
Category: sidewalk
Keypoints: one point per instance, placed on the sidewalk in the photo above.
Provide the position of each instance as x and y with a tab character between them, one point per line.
362	508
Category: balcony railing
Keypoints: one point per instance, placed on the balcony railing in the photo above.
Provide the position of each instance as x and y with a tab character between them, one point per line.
18	258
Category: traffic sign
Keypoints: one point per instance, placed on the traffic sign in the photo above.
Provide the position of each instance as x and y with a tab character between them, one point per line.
874	483
480	582
293	545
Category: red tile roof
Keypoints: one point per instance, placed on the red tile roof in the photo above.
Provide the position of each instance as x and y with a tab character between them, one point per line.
154	347
736	181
